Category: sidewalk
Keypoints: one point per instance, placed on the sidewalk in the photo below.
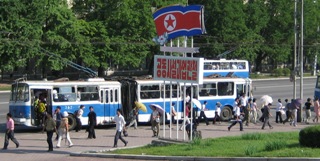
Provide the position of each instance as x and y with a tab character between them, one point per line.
33	145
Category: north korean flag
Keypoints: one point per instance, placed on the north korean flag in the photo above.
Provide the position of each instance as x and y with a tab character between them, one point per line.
179	21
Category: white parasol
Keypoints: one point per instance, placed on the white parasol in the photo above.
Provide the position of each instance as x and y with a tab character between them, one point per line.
196	103
158	108
266	99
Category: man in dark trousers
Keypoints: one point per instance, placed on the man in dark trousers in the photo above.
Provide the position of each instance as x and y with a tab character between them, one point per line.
10	133
92	121
237	113
202	114
266	115
58	119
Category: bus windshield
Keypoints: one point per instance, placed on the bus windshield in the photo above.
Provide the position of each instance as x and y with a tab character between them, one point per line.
19	92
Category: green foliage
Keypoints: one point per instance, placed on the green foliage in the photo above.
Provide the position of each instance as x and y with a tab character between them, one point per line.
278	144
275	145
277	72
286	71
251	136
250	150
309	136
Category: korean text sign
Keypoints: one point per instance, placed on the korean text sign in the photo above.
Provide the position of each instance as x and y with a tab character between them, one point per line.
180	69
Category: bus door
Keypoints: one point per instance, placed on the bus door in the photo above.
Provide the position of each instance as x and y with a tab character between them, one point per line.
44	94
240	89
110	103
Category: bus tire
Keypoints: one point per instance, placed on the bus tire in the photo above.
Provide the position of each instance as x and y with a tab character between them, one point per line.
72	122
226	113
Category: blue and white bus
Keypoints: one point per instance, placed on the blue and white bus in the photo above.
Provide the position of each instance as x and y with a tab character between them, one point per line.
317	88
223	84
104	96
223	90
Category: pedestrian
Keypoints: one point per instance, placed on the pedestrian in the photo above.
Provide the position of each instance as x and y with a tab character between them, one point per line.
78	113
186	119
120	126
246	110
92	122
202	114
236	101
307	106
50	127
316	109
286	108
10	133
42	111
289	111
278	111
236	110
294	110
254	109
63	130
174	113
217	113
58	118
266	115
133	118
155	122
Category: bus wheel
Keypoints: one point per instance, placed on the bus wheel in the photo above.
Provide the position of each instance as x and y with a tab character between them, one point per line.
72	122
226	113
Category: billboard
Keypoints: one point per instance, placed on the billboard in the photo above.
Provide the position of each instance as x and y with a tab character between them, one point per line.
178	69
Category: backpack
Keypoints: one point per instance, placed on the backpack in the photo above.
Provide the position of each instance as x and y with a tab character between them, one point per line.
76	113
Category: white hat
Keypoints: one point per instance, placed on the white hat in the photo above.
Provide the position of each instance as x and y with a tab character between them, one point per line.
65	114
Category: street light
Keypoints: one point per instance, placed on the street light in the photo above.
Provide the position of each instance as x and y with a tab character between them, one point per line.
301	54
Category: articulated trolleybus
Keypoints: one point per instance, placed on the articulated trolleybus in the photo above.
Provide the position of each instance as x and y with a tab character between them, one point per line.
224	80
103	95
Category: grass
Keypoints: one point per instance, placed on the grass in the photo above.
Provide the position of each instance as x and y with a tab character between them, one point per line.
280	144
5	87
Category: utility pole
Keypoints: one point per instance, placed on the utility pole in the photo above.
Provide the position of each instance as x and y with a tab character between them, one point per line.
295	51
301	53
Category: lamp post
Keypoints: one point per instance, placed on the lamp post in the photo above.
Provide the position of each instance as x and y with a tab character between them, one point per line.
301	54
295	51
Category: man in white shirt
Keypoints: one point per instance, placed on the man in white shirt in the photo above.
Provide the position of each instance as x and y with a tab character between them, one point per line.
236	110
278	111
202	114
120	125
78	118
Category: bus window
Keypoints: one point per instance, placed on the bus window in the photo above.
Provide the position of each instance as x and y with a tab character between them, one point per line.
167	89
107	96
115	95
209	89
111	95
150	91
88	93
225	88
64	94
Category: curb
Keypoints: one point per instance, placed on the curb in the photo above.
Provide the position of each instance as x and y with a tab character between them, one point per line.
5	91
185	158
